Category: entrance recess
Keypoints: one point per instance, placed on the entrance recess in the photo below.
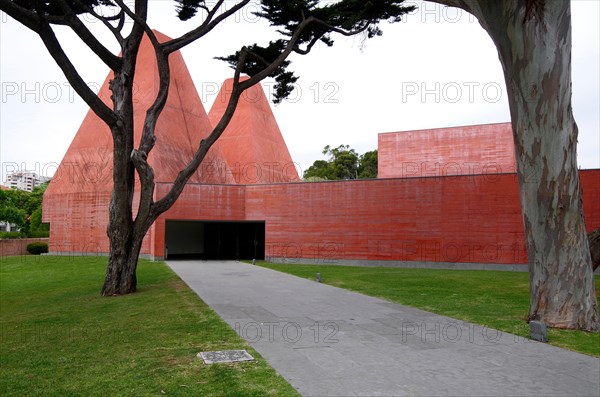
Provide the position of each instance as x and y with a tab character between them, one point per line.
214	240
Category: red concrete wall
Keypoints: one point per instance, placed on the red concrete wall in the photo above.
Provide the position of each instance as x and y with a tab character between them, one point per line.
454	219
477	149
473	219
78	222
17	246
590	187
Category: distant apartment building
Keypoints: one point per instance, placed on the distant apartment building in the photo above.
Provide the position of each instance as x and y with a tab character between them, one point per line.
24	180
7	227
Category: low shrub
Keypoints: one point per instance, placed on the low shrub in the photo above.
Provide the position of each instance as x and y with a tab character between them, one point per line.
39	234
6	235
37	248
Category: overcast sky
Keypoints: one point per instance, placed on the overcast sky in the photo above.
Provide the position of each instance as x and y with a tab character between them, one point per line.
438	68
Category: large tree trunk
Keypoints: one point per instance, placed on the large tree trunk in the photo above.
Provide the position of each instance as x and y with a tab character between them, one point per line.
124	245
533	39
124	240
122	264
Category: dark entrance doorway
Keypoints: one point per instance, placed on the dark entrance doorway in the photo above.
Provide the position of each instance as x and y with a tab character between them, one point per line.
214	240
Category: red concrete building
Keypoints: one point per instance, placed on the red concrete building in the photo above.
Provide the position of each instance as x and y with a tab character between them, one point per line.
444	198
471	150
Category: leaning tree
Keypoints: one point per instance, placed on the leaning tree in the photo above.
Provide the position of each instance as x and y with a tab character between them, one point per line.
533	39
300	24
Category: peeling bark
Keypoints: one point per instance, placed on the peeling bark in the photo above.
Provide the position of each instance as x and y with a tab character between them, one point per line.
533	39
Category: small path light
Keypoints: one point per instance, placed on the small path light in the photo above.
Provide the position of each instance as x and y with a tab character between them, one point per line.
254	261
318	277
539	332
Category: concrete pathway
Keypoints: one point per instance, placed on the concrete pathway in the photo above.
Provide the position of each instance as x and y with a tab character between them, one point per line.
328	341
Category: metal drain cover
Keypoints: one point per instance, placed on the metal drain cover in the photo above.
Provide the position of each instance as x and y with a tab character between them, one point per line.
225	356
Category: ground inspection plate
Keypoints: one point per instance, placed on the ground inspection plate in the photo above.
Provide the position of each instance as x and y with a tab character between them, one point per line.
225	356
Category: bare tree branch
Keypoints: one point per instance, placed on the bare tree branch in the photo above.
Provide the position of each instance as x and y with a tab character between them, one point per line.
209	24
148	140
28	18
238	88
146	173
184	175
55	49
332	29
308	47
111	60
140	21
282	57
148	137
132	42
115	30
139	157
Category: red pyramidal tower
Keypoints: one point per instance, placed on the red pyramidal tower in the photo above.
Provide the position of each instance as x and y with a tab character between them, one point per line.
77	199
252	144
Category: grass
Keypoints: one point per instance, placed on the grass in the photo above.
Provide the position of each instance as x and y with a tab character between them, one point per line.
60	338
494	299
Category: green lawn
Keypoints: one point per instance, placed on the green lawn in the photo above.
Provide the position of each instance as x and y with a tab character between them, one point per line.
60	338
498	300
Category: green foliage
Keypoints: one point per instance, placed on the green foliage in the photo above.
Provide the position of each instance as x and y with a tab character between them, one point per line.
36	222
38	234
11	235
260	57
23	209
367	165
343	163
13	205
320	170
61	338
37	248
498	300
187	9
314	179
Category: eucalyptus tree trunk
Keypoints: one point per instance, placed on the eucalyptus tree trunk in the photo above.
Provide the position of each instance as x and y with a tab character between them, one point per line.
533	39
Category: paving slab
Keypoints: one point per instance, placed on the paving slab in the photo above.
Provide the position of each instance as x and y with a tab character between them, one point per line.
327	341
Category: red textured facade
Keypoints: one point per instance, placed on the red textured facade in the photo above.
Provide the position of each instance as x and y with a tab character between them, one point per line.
467	219
252	145
469	150
76	201
427	206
